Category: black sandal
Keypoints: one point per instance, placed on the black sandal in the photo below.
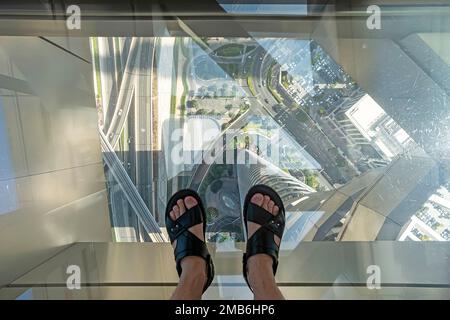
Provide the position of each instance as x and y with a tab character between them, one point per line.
262	240
188	244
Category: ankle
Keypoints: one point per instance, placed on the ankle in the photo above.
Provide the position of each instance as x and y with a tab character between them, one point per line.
260	271
194	269
191	284
262	283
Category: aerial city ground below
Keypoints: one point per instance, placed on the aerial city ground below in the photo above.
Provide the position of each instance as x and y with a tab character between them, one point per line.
220	114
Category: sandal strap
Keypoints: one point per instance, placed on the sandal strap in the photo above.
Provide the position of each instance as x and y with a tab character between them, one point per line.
274	224
193	246
189	244
262	240
190	218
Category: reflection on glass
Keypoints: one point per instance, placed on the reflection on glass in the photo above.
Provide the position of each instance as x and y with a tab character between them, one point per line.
221	114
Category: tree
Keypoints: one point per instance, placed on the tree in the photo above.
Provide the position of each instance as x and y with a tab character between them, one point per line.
229	107
322	111
311	179
193	104
211	214
247	142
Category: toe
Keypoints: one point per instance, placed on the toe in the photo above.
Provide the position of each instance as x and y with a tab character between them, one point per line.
197	230
270	206
176	210
180	204
275	210
172	215
266	203
190	202
257	199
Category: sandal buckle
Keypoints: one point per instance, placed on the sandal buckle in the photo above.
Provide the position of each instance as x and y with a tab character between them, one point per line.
277	224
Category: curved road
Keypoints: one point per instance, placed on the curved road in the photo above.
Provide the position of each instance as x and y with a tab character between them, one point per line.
307	135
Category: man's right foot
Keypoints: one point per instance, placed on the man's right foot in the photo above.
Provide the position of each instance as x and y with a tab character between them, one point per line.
267	204
260	265
264	216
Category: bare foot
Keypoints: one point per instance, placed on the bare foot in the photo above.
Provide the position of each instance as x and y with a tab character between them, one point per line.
192	266
259	266
267	204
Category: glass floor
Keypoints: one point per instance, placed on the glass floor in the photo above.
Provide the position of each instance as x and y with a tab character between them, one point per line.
147	271
281	112
343	110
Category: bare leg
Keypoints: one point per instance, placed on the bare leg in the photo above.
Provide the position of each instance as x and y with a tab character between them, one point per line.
192	280
259	266
193	276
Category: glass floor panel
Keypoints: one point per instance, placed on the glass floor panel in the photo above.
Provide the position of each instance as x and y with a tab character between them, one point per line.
218	115
343	109
147	271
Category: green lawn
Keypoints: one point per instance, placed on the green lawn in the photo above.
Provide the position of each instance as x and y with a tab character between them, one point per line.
250	85
311	178
275	95
232	69
185	88
273	91
230	50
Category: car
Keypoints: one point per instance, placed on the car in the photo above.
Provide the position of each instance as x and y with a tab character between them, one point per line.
277	108
266	100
